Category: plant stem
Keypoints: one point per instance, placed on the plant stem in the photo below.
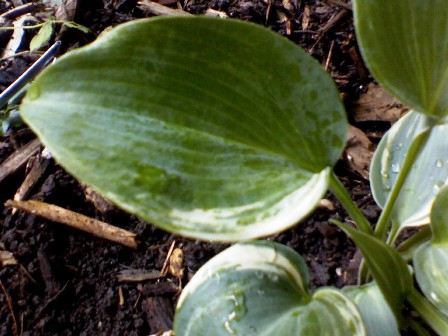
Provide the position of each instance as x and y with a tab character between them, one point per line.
352	209
384	221
407	248
363	274
418	328
429	313
393	235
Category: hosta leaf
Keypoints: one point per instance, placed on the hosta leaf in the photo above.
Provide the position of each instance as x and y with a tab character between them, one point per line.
405	45
386	266
378	318
209	128
428	174
261	288
431	259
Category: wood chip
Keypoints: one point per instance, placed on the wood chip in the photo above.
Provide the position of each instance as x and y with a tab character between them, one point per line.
121	300
77	221
136	275
164	333
18	159
306	19
7	258
158	9
215	13
100	203
326	204
32	179
160	288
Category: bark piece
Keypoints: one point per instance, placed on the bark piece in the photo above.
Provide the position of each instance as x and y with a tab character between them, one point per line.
160	288
18	159
7	258
159	313
32	179
136	275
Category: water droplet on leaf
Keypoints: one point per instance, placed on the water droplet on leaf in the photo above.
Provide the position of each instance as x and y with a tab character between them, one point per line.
395	168
439	163
434	297
237	299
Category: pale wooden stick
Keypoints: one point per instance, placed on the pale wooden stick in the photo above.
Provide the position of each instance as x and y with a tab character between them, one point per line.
76	220
158	9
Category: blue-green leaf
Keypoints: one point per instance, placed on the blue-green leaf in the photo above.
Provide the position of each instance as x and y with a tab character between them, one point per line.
261	288
208	128
431	258
378	317
405	45
428	173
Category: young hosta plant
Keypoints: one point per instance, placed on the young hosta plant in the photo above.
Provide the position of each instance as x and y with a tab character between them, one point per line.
220	129
261	288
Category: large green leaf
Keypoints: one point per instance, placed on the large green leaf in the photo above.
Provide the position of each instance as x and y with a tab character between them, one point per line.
431	259
405	45
428	174
386	266
261	288
216	129
378	317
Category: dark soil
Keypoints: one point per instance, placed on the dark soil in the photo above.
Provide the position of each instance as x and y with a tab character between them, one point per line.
65	282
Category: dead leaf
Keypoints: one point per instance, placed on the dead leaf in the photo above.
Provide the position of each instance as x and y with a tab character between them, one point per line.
177	263
358	152
66	10
378	105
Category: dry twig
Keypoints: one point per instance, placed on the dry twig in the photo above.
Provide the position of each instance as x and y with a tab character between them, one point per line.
11	310
77	221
